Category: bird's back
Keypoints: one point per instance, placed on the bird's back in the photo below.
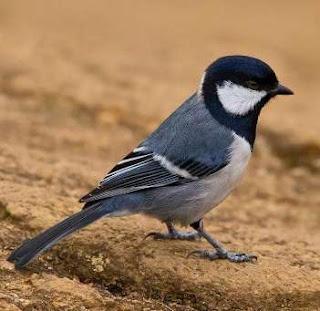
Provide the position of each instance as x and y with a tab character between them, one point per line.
191	133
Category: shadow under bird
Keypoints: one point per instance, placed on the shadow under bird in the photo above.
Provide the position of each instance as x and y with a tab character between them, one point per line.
187	166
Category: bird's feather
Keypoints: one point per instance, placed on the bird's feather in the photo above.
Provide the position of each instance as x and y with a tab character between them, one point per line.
143	169
160	161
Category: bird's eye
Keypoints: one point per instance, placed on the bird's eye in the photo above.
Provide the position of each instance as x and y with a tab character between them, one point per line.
252	85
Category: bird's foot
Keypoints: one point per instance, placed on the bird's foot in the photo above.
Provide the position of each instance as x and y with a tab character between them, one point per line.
223	254
176	235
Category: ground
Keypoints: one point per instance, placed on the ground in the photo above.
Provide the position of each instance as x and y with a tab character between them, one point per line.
81	83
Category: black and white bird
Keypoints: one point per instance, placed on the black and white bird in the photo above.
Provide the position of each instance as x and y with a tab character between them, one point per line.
187	166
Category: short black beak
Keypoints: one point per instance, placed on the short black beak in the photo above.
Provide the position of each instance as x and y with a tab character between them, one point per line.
282	90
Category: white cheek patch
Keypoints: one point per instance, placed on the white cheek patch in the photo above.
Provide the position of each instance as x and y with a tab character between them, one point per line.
238	99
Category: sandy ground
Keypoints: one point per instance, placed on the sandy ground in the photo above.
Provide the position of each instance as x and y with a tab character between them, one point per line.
82	82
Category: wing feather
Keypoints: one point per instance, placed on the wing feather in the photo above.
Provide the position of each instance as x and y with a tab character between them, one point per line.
142	169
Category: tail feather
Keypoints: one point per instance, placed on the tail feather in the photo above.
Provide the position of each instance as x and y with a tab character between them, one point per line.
37	245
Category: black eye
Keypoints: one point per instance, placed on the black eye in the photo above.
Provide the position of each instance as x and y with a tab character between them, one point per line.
252	85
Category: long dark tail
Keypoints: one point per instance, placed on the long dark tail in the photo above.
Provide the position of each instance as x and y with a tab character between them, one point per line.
37	245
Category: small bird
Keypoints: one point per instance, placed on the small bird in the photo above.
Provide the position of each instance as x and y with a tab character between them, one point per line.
187	166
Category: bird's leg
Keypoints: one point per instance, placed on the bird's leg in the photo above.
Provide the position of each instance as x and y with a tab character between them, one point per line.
173	234
221	252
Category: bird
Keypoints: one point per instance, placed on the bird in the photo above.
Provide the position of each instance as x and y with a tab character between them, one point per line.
187	166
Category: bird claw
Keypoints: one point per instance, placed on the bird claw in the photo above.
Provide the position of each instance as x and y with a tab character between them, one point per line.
231	256
150	234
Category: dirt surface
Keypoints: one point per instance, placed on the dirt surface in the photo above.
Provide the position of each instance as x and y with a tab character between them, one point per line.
82	82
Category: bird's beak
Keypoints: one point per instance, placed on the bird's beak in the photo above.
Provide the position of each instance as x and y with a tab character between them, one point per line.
281	90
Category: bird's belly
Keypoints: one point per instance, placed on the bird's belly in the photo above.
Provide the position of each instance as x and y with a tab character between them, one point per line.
213	191
210	191
188	203
215	188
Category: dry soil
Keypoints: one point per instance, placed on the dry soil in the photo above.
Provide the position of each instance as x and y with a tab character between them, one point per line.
82	82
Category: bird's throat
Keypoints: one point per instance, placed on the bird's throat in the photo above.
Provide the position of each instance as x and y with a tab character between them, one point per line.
243	125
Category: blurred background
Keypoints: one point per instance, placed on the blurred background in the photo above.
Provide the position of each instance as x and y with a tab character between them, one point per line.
82	82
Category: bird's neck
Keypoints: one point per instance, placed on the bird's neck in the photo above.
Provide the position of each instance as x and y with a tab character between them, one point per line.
243	125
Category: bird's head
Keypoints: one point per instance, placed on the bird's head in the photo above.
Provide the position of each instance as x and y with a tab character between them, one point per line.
241	84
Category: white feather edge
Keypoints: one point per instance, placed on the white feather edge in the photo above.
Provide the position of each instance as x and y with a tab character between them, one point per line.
199	92
172	168
163	161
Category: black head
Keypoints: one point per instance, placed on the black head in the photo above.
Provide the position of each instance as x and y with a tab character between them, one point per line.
245	71
235	88
242	70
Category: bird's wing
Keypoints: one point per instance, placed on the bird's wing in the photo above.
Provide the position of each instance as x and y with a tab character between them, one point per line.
143	169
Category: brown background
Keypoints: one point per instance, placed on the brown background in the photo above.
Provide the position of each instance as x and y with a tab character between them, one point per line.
82	82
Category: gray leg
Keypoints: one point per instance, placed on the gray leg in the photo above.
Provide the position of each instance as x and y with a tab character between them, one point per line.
173	234
221	252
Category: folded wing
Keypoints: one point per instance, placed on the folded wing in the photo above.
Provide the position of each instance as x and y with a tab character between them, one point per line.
143	169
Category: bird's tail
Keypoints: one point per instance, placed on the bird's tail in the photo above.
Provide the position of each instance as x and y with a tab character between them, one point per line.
37	245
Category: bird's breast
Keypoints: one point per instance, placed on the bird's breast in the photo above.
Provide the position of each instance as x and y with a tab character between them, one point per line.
240	153
216	187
